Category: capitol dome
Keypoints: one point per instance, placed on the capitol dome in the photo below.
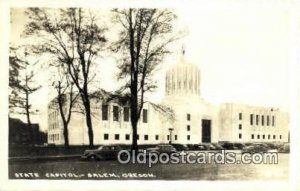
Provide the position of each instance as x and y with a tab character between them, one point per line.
183	79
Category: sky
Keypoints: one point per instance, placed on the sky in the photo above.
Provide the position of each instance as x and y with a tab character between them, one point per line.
243	53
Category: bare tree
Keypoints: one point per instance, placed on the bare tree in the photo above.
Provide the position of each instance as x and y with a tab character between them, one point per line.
22	85
144	38
74	38
66	98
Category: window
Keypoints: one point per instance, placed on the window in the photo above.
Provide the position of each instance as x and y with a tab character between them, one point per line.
145	115
188	117
252	136
280	136
117	136
240	135
115	113
258	136
251	119
126	113
262	120
268	120
188	137
188	127
138	137
175	137
240	116
127	137
146	137
106	136
257	119
273	120
240	126
274	136
104	112
269	136
156	137
263	136
168	137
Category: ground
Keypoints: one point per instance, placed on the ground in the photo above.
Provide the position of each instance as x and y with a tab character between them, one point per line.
76	168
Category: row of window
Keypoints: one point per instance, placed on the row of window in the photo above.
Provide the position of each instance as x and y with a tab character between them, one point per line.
116	113
146	137
54	137
53	126
261	136
260	119
265	137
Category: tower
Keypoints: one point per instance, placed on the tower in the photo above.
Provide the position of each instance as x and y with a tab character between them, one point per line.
183	79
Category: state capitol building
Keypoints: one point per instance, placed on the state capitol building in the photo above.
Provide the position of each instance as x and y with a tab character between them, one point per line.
192	120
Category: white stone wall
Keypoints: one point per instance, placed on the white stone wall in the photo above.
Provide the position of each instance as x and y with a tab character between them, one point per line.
232	126
157	125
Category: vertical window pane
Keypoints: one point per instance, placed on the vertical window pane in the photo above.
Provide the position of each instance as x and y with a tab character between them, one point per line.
145	115
188	137
115	113
188	116
251	119
104	112
126	113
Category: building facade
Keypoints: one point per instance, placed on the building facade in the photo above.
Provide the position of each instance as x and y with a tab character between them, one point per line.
183	116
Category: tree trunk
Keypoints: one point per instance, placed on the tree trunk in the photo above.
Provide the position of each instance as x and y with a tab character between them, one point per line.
66	134
28	118
134	115
89	125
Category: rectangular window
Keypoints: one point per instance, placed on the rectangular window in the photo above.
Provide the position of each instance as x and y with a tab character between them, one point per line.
257	119
263	136
175	137
258	136
188	117
145	115
251	119
188	137
273	121
240	135
252	136
188	127
126	113
268	120
269	136
115	113
156	137
104	112
274	136
240	116
138	137
280	137
117	136
168	137
240	126
127	137
106	136
146	137
262	120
